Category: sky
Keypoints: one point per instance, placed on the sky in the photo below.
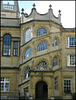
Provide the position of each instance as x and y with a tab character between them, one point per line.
67	9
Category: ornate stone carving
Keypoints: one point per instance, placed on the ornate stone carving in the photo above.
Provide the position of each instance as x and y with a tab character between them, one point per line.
42	66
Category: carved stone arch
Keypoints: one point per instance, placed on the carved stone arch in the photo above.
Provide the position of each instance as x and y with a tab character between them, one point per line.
40	80
40	60
41	90
5	33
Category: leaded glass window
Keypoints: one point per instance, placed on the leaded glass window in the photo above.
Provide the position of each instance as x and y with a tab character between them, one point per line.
7	44
27	53
41	46
27	35
41	31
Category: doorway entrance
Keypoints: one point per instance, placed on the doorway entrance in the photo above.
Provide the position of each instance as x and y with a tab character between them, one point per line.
41	90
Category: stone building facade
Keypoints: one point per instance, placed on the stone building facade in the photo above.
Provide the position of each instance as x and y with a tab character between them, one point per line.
37	55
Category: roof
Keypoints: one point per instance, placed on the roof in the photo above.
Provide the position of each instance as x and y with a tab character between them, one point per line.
34	15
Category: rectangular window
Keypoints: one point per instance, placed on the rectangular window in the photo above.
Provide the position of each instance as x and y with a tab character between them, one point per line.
71	42
56	83
4	84
25	91
15	50
71	60
67	86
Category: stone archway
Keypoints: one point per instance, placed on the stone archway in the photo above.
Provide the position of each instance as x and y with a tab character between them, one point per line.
41	90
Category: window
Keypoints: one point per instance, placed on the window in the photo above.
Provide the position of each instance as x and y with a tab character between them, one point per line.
41	46
55	43
26	73
41	31
7	45
55	61
27	53
15	48
27	35
4	84
25	91
67	86
56	83
71	60
71	42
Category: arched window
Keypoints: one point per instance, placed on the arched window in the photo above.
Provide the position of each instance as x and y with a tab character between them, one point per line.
55	61
26	73
41	46
55	42
41	31
7	44
27	35
27	53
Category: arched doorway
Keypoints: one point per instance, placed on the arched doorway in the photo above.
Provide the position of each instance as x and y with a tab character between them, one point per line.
41	90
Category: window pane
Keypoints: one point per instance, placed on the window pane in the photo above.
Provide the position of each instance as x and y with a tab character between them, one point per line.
71	41
27	35
55	61
7	45
56	83
27	53
67	86
2	87
15	48
41	31
41	46
4	84
72	59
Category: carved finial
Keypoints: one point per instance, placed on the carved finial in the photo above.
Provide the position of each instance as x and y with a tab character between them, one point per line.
59	11
50	6
22	11
34	5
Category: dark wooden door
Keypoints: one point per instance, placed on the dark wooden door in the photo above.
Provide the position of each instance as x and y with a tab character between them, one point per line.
41	90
